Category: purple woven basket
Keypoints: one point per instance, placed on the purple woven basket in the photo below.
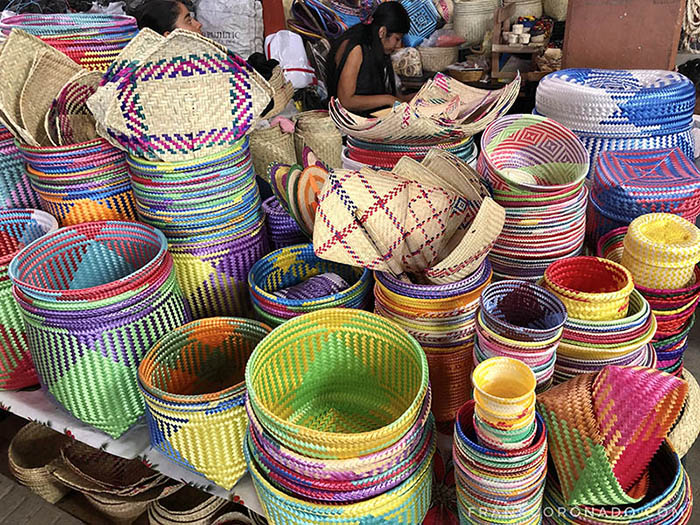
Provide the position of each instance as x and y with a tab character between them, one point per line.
282	229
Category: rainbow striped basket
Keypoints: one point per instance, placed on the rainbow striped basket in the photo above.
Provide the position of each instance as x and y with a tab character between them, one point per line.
94	298
17	229
15	189
192	383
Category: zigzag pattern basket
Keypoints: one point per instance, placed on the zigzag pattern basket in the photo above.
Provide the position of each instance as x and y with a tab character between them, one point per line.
17	229
192	383
95	297
15	189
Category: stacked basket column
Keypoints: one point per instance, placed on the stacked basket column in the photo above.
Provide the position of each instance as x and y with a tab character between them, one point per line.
15	188
210	211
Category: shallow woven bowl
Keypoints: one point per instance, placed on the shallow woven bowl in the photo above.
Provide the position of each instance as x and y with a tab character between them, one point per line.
337	383
504	385
591	288
522	311
547	156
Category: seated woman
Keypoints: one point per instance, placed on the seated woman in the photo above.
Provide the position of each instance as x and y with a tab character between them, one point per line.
164	16
360	74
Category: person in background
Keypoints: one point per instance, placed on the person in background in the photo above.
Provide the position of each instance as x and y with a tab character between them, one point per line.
164	16
360	74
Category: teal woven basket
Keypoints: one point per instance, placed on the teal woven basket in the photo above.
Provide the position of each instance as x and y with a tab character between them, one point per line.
95	297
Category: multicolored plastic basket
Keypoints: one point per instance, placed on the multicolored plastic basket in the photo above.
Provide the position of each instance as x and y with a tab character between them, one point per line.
94	298
364	382
604	429
290	267
282	229
15	189
17	229
79	183
193	385
592	289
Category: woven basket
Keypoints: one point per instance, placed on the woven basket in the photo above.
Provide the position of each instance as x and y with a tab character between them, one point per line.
395	402
194	375
271	145
525	8
69	115
101	293
187	506
15	189
31	450
282	229
17	229
316	130
233	518
438	58
473	19
555	8
592	468
590	287
686	429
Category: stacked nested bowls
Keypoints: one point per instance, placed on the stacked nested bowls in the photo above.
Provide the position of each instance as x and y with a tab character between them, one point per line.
192	383
621	110
522	321
94	298
292	281
628	184
537	169
442	319
17	229
82	182
500	446
340	425
91	40
15	189
209	209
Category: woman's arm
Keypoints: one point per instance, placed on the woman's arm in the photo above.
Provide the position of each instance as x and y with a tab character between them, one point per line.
347	84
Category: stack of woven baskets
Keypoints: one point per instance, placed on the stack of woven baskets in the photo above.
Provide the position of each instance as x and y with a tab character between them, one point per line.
442	318
603	463
15	188
537	169
627	184
500	442
192	383
93	41
522	321
94	298
608	322
342	432
191	168
612	110
292	281
445	114
17	229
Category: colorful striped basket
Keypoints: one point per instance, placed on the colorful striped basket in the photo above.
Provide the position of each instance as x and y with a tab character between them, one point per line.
82	182
94	298
591	288
537	169
17	229
604	429
669	499
192	383
15	189
442	319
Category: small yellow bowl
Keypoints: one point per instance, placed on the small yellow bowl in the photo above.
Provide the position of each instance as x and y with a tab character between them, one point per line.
504	384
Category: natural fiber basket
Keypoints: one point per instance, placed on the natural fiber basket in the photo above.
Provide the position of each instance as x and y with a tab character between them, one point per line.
686	429
17	229
192	382
94	298
316	130
438	58
31	450
387	383
187	506
591	288
271	145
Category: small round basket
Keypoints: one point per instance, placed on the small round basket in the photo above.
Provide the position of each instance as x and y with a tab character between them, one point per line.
437	59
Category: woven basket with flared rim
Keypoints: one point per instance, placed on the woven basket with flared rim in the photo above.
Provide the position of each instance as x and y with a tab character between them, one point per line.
686	429
316	130
392	367
438	58
192	383
31	450
271	145
187	506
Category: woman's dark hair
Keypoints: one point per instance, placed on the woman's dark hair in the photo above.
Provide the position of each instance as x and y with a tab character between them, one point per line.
158	15
391	15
